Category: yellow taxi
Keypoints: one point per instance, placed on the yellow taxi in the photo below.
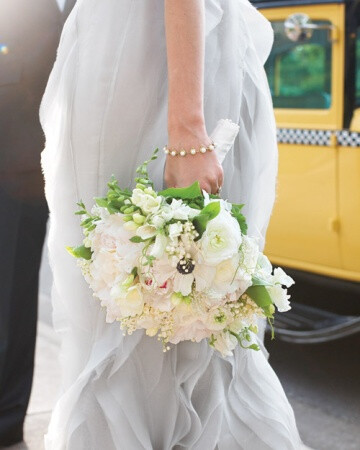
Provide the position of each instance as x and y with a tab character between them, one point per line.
314	77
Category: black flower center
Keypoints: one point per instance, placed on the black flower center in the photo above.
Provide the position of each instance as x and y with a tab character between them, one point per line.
185	266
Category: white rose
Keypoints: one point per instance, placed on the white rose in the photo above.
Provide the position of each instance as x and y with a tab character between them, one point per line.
130	301
225	343
279	297
221	239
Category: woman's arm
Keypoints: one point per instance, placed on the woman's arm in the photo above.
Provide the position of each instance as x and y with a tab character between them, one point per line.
185	40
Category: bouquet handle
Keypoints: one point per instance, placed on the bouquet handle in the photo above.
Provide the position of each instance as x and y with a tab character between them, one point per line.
224	135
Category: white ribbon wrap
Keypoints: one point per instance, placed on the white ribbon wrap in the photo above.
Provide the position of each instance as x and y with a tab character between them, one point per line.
224	135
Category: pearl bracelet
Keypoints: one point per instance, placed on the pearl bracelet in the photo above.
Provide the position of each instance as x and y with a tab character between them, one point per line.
192	151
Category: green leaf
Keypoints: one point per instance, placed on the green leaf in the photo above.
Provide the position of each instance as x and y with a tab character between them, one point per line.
80	252
187	193
236	212
260	295
240	339
208	213
101	201
136	239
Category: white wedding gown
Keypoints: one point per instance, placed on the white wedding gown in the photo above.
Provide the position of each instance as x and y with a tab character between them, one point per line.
103	113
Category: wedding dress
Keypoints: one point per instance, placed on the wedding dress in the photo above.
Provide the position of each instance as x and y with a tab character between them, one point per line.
103	113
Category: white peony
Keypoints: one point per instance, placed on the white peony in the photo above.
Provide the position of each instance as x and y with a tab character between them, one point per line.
130	300
221	239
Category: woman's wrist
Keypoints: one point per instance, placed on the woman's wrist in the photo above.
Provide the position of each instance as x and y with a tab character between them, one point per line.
180	124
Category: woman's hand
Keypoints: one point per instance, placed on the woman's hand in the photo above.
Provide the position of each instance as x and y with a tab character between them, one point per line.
182	171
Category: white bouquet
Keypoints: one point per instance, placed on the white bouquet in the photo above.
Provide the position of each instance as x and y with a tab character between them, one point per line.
179	264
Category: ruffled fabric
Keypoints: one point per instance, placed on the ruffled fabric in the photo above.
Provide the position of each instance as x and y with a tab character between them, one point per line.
103	112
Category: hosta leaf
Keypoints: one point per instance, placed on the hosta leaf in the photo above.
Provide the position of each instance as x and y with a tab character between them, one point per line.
260	296
208	213
190	192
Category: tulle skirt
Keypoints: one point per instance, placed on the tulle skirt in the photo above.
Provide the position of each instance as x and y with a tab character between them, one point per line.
103	112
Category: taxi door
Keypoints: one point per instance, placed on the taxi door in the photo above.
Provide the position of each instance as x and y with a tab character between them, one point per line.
306	78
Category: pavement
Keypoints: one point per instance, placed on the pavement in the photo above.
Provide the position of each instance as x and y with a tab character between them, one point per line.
322	384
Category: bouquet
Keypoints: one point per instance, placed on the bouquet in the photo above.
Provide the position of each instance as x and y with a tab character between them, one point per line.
179	264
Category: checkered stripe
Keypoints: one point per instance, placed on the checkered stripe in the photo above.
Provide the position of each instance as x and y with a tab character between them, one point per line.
348	138
345	138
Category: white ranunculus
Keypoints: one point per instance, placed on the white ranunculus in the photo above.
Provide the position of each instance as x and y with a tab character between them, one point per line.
218	319
130	301
221	239
279	297
225	343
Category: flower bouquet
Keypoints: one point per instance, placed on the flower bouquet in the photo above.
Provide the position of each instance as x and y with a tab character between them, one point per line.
179	264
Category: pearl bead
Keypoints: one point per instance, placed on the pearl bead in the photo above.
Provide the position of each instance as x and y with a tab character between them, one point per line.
173	153
193	151
166	151
165	148
203	150
211	147
182	152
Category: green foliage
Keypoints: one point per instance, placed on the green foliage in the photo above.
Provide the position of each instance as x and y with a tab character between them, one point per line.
80	252
260	295
209	212
142	171
262	298
137	239
187	193
236	212
244	335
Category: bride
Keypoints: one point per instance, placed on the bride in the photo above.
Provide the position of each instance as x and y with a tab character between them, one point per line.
131	75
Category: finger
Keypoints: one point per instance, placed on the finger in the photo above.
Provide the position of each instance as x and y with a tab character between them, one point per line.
205	186
221	179
214	186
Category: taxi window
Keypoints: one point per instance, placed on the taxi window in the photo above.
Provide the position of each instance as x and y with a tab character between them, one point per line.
357	79
299	73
